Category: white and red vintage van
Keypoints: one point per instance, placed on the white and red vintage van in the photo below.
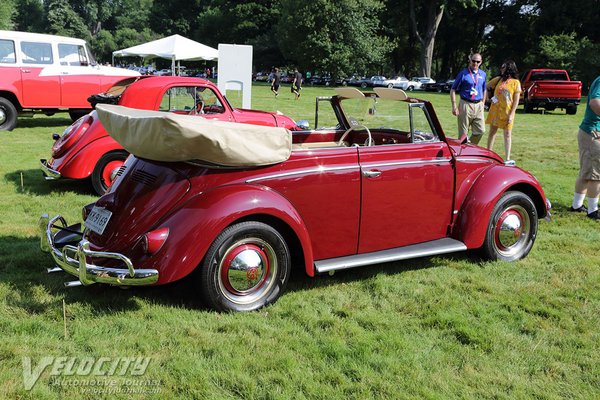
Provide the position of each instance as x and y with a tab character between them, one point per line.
47	73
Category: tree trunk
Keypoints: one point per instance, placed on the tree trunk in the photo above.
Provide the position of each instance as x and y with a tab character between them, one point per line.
435	11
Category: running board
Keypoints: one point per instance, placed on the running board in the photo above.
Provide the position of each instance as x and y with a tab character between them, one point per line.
426	249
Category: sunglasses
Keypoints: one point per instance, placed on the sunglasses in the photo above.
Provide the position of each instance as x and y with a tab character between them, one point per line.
476	61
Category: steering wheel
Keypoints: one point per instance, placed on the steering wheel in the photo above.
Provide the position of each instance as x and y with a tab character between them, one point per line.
368	142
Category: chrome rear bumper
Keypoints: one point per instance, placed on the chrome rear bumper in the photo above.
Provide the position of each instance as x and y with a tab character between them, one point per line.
70	251
49	173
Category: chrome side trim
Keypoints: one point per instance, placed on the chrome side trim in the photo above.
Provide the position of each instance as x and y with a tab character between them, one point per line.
477	160
396	163
440	246
73	260
317	170
49	173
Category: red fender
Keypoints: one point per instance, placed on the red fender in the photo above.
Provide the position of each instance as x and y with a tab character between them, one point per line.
194	226
81	164
474	215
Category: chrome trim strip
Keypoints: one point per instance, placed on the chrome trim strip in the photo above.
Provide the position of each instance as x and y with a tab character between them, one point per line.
472	159
440	246
302	172
49	173
73	260
396	163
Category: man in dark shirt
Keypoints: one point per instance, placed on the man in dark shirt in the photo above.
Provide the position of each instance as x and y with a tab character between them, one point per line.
297	83
275	82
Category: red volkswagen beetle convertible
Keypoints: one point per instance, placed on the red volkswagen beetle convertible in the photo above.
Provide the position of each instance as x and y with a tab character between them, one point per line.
85	150
377	180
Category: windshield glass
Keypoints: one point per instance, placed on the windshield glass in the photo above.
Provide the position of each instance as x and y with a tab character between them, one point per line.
380	114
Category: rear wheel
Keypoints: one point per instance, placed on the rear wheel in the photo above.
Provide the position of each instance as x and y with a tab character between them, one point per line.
247	267
8	115
512	228
106	169
363	85
571	110
410	88
528	107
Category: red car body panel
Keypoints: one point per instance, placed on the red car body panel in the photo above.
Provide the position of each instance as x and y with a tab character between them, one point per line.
77	160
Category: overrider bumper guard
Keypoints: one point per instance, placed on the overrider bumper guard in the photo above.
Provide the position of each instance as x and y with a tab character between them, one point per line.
70	251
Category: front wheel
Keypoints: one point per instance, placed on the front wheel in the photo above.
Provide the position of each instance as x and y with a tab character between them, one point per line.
571	110
512	228
8	115
106	170
247	267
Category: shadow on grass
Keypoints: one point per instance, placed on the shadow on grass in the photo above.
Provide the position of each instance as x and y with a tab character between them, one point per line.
300	281
32	181
23	268
45	121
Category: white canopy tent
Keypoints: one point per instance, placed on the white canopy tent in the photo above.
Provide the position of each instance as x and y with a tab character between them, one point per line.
174	48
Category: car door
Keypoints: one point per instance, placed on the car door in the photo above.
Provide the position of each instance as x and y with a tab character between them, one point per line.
407	189
78	80
41	86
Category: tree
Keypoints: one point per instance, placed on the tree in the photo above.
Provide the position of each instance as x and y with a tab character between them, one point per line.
7	9
29	16
339	37
434	10
62	20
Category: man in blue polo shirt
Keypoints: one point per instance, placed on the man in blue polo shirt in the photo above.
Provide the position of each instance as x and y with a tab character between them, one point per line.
470	85
588	181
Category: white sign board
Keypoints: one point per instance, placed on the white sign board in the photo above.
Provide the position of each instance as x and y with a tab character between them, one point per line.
235	71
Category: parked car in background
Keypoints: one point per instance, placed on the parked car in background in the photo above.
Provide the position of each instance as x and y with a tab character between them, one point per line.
396	187
550	89
85	150
47	74
417	82
439	87
375	80
261	76
321	80
396	82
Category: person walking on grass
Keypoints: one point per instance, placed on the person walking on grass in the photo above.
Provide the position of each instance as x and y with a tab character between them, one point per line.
588	139
503	105
297	83
275	82
470	85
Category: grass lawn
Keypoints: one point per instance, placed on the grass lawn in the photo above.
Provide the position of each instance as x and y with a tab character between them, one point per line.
440	327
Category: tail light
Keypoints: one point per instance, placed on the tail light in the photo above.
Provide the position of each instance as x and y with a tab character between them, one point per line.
71	135
153	241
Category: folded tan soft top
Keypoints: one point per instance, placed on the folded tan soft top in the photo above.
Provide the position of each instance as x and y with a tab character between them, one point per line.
164	136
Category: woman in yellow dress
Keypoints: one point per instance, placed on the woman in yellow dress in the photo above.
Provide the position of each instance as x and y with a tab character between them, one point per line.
504	105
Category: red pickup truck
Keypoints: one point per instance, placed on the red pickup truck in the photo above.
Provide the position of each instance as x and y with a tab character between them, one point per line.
550	89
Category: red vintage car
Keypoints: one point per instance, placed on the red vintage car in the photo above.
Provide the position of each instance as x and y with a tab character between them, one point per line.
376	180
85	150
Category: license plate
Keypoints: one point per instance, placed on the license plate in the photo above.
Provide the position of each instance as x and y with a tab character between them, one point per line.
97	220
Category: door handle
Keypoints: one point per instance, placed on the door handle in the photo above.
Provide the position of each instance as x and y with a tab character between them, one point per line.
25	71
372	173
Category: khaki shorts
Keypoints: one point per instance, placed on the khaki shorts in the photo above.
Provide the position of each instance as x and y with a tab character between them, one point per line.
589	155
470	115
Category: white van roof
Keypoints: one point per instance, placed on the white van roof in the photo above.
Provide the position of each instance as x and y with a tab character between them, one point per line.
16	35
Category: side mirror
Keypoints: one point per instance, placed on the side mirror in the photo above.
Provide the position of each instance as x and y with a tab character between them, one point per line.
303	124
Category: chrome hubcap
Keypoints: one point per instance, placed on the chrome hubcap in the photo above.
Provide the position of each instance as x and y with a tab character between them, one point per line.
512	231
2	116
246	270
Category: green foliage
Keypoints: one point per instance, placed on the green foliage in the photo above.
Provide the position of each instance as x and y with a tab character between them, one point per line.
63	20
7	9
29	16
337	37
560	50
